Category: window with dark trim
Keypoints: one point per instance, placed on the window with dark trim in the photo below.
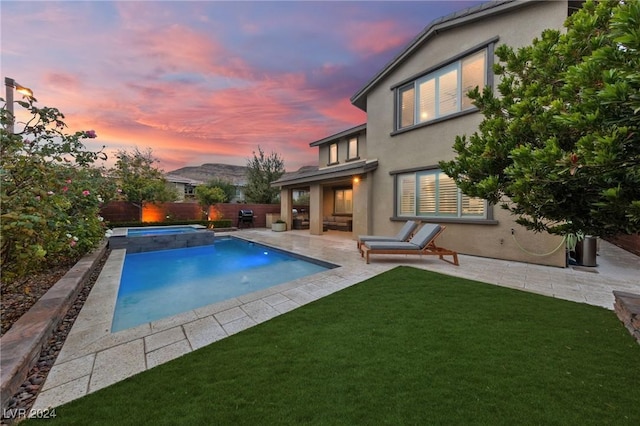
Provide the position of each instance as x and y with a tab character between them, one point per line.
352	149
441	92
333	153
431	193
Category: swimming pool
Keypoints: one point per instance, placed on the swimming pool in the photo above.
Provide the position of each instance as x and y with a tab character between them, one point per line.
159	284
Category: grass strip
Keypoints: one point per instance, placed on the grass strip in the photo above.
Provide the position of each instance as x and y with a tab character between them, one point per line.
405	347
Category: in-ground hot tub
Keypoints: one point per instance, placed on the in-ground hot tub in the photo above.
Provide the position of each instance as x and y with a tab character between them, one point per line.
150	238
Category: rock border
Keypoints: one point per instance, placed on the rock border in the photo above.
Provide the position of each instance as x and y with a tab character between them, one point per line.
23	342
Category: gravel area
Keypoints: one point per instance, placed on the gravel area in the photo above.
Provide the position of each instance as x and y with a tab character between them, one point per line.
17	304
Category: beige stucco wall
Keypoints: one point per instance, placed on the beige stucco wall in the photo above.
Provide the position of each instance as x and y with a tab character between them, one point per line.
428	145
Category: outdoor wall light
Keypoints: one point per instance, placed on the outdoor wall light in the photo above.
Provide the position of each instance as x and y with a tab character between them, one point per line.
11	83
10	86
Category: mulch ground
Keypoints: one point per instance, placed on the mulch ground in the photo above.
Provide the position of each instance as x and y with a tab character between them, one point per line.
19	296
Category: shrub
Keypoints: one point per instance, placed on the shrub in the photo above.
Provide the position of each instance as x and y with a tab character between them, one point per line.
50	194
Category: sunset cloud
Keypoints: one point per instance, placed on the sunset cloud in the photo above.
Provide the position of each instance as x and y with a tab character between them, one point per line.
202	82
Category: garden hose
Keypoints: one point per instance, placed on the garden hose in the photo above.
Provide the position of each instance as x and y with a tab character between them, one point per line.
564	239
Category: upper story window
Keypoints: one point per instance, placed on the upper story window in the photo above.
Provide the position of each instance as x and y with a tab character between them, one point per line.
352	150
441	92
431	193
333	153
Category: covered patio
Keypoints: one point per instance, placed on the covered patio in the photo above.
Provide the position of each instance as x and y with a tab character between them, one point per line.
339	197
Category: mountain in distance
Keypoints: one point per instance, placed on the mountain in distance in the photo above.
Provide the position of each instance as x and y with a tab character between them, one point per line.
234	174
208	171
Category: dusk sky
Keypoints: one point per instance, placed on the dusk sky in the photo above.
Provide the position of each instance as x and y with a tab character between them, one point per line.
207	81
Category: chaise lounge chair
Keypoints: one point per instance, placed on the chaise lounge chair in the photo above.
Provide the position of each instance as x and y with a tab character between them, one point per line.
403	235
422	244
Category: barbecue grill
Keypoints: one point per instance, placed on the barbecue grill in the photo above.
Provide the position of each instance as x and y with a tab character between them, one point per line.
245	217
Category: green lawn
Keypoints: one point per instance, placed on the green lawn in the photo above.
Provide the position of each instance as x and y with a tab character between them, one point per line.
406	347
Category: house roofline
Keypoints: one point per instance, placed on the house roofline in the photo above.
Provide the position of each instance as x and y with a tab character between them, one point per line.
357	129
181	179
453	20
359	167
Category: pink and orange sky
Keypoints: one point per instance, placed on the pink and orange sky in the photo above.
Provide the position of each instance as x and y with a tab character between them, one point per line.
207	81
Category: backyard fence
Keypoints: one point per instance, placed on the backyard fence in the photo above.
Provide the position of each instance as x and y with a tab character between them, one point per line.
123	211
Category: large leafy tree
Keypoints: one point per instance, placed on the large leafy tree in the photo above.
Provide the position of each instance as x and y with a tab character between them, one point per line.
139	180
261	171
560	145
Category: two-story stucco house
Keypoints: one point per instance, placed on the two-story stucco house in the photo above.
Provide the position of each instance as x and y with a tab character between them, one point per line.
385	172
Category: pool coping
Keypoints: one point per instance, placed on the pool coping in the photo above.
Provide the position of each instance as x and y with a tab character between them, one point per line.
23	342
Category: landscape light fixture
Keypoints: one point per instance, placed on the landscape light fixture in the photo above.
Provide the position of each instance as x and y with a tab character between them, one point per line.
11	85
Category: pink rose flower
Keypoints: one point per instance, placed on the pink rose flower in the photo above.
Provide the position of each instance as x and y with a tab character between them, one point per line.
85	192
91	134
65	189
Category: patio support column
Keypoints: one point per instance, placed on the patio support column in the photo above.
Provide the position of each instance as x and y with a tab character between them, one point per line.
315	209
361	208
286	205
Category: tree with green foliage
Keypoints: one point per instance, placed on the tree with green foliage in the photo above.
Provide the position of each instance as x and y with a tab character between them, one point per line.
210	195
560	146
227	187
51	192
139	180
261	171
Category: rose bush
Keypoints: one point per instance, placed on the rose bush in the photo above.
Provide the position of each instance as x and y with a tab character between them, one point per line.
51	193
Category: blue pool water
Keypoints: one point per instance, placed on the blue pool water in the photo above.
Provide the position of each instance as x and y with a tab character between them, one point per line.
159	284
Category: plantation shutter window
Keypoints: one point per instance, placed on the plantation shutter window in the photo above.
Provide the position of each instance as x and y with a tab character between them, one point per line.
427	199
472	206
407	195
434	194
447	196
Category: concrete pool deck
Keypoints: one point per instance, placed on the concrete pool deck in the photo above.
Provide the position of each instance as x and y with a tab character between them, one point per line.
92	357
